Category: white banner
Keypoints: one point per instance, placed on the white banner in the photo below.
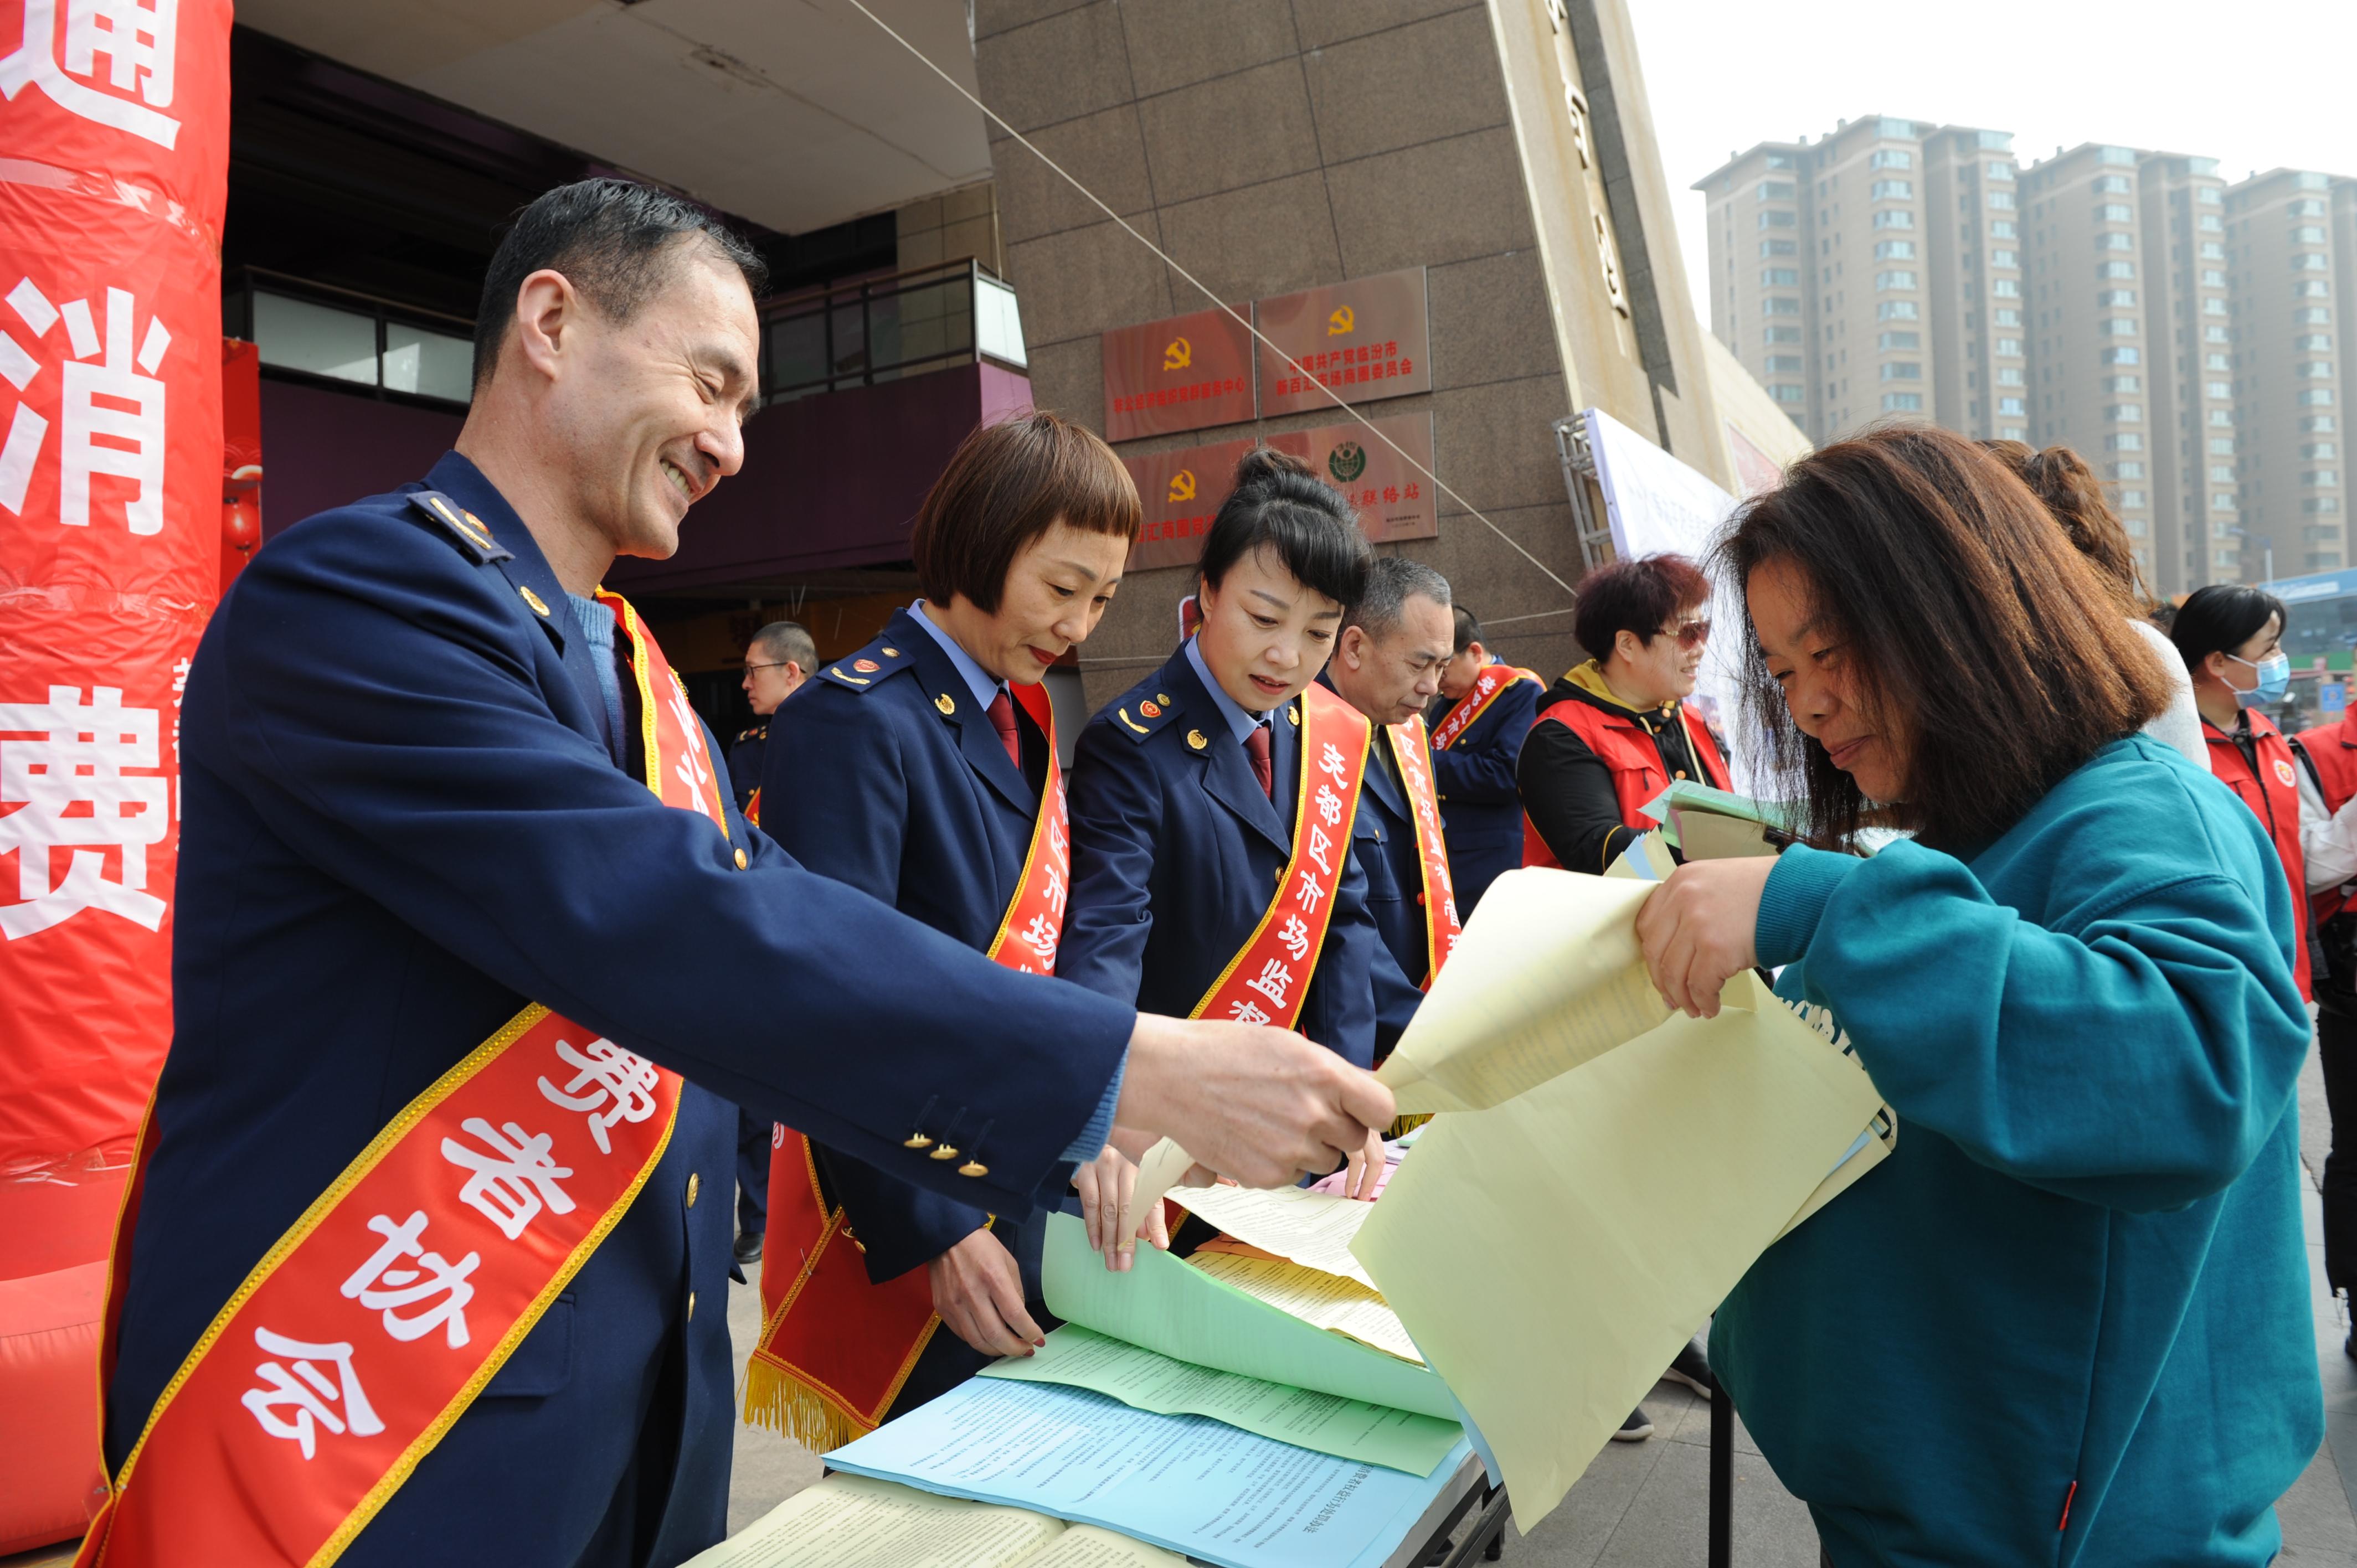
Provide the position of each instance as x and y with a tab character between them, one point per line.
1654	504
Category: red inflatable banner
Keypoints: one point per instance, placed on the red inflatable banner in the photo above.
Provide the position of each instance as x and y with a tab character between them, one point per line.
113	149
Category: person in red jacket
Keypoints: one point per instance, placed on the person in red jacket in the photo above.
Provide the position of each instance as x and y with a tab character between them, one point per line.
1613	734
2232	639
2329	846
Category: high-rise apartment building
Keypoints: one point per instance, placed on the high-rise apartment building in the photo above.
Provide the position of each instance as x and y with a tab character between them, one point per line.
2291	273
2080	302
1876	272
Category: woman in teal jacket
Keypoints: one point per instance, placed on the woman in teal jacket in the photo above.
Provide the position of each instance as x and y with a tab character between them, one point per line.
2067	1321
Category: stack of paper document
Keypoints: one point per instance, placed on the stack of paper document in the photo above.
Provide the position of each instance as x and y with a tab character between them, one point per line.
855	1521
1601	1172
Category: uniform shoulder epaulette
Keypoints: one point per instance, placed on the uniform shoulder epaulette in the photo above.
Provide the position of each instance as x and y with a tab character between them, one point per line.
1140	712
877	662
469	529
752	732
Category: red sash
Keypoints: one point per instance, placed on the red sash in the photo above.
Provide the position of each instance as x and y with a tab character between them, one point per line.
836	1348
376	1319
1269	976
1441	928
1493	679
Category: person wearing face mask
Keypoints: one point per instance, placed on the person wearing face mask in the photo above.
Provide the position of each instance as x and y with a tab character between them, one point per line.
2232	641
922	769
2078	1286
1613	732
1387	664
1213	803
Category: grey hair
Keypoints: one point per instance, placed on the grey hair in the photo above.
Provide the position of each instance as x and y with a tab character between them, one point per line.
1392	581
786	639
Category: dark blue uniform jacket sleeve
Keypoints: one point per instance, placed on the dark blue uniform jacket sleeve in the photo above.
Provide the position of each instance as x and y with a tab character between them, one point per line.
837	794
385	706
1478	770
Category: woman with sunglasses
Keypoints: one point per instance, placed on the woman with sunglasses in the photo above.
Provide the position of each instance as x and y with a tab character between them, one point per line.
1613	734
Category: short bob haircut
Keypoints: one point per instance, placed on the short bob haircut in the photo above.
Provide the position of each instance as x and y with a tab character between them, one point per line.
1005	487
1639	596
1977	635
2060	477
1278	504
2220	618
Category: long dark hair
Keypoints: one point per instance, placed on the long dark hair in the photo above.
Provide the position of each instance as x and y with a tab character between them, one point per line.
1975	631
2220	618
2060	477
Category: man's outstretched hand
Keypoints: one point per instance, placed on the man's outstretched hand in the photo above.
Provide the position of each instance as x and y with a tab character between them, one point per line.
1259	1104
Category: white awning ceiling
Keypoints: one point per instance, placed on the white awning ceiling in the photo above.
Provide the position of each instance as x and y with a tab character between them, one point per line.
793	114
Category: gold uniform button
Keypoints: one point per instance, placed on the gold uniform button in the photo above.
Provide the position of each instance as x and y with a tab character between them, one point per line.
691	1306
916	1140
974	1168
946	1151
695	1185
891	653
534	600
1163	698
742	862
943	703
1195	739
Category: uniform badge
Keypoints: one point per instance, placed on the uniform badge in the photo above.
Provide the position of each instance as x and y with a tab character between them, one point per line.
1150	710
538	608
943	703
2284	775
1194	738
866	666
1293	717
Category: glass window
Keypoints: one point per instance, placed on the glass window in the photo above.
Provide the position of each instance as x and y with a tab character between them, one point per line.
2114	212
2213	277
2115	299
2308	234
1902	402
2222	447
2133	498
2012	405
2311	262
1897	310
1897	278
1894	250
2124	383
2003	229
1892	190
2321	477
2316	424
2312	343
2312	315
2218	390
2005	288
1890	157
2124	441
1782	392
1902	370
1780	277
2112	185
432	364
2115	269
1894	217
2316	397
2211	251
2223	417
2108	241
1777	248
1776	220
1779	160
1776	191
2127	470
1889	340
2005	258
2316	371
2123	412
2118	326
2002	172
2006	317
2009	345
2123	356
302	335
2310	208
1784	365
2000	200
1784	333
1782	307
2009	375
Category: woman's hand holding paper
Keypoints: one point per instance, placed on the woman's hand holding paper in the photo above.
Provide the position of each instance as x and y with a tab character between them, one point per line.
1106	1185
1696	930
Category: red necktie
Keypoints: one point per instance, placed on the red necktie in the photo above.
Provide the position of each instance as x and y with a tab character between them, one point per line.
1256	747
1002	718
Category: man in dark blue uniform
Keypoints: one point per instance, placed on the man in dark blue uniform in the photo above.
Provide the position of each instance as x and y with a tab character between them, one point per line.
1387	664
409	809
1474	771
778	660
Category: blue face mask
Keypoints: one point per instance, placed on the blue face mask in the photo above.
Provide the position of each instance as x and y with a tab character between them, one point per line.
2275	680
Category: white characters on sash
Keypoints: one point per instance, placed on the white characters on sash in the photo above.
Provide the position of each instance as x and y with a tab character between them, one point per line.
138	40
77	796
1246	1013
1309	892
511	1183
306	1394
1320	846
1273	982
1294	935
1042	937
1332	762
1329	805
689	766
608	1073
380	1286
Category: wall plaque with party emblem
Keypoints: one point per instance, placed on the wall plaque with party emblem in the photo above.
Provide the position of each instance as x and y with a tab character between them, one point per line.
1185	372
1362	340
1181	489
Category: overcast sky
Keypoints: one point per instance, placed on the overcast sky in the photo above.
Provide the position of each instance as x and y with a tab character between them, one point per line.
2256	84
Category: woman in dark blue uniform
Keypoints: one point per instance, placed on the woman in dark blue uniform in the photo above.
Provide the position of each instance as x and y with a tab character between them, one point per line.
1188	789
912	771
